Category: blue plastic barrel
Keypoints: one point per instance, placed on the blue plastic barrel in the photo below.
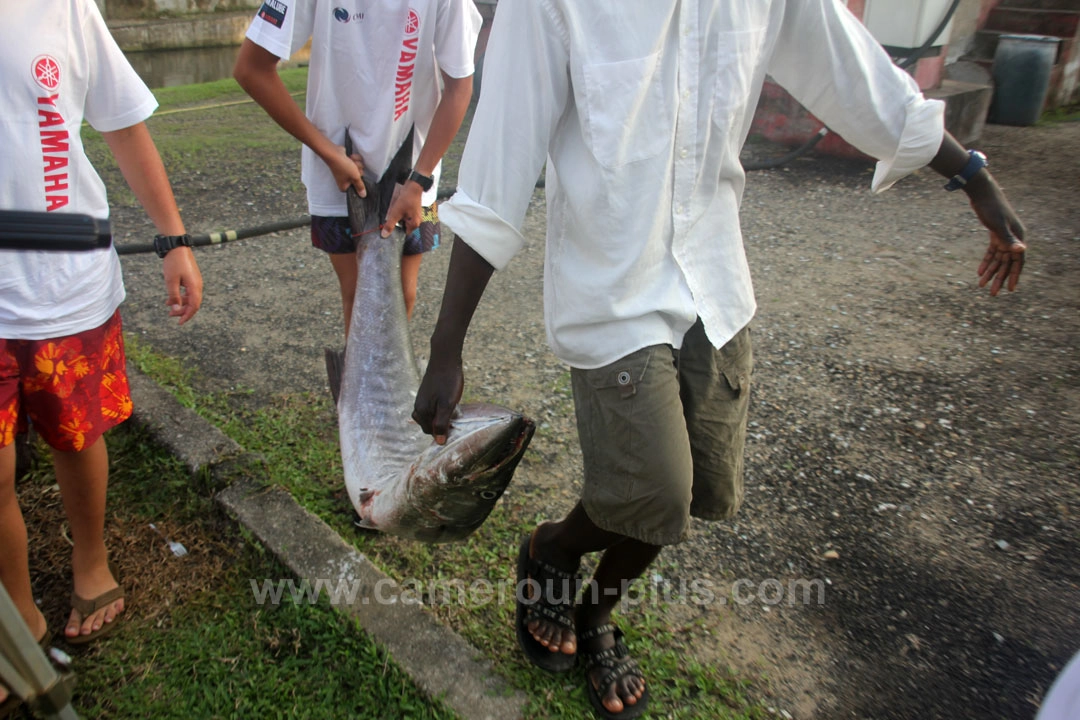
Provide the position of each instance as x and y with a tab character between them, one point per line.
1022	66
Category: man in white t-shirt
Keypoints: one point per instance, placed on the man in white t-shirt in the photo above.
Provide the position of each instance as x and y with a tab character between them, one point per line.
639	110
62	360
375	72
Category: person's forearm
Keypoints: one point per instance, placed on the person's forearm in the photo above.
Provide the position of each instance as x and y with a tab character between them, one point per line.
256	72
457	93
142	168
466	280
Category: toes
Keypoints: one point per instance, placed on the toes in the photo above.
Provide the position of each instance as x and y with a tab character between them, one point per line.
539	631
633	689
613	702
77	626
623	693
553	637
113	610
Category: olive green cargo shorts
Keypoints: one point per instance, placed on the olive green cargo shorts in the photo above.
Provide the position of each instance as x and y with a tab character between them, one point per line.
662	434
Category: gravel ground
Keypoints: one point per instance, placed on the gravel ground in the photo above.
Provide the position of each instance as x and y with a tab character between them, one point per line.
913	450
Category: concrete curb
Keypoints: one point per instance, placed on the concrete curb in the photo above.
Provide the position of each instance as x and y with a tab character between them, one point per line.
440	661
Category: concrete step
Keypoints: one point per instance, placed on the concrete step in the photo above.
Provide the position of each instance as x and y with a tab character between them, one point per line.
1032	21
966	106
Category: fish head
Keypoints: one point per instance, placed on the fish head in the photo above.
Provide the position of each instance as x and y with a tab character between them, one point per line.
454	487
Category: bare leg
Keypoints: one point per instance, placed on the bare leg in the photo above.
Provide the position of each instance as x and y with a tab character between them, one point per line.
562	544
410	271
83	478
344	265
14	563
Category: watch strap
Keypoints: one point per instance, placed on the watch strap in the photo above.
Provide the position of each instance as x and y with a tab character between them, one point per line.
976	162
424	181
163	244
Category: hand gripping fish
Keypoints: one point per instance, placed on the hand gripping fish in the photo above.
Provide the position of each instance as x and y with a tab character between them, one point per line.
399	480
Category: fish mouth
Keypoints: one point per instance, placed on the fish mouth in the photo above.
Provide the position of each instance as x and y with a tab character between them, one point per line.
457	501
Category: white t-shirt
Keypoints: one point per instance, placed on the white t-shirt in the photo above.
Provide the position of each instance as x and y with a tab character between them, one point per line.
374	68
60	66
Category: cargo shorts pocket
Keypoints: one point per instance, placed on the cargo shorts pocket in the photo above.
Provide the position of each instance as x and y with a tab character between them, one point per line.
716	395
736	363
631	426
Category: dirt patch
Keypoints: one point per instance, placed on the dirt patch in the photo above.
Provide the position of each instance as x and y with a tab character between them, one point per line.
913	449
155	583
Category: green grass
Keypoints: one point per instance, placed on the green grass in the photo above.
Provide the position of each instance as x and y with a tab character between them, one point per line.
220	656
194	643
219	91
201	129
1067	113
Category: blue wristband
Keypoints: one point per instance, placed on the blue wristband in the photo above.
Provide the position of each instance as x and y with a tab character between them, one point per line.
976	162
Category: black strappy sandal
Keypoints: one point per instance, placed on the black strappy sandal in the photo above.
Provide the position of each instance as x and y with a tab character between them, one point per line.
617	663
549	604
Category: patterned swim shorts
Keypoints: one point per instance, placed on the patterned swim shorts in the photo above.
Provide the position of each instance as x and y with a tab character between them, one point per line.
333	234
72	388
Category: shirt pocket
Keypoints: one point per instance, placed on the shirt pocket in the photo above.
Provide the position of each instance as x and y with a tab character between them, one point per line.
738	56
625	118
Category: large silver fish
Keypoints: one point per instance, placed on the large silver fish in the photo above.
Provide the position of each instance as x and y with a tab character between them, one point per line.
399	480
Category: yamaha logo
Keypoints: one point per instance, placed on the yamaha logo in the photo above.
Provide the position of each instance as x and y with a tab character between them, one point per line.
46	72
412	24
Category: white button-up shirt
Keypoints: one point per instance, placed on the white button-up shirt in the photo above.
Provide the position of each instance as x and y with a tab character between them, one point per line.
640	108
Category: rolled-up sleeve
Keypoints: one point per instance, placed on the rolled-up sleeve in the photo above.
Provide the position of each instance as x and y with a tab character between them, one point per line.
524	93
831	63
496	240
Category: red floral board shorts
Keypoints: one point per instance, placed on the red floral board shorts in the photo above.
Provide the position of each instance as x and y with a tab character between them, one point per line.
71	388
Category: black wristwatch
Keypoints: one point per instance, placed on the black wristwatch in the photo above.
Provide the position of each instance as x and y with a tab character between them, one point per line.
424	181
164	243
976	162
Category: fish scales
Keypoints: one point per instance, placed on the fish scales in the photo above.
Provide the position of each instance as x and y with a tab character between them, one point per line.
398	479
